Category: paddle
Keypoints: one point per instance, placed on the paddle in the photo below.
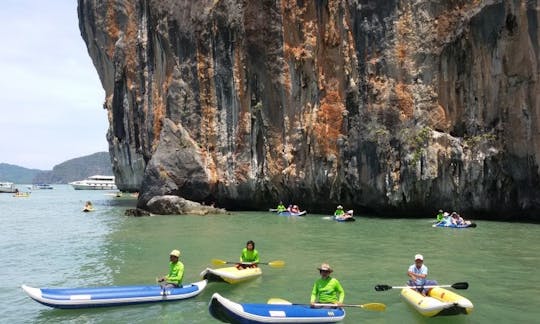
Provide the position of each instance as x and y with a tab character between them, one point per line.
457	285
370	306
274	264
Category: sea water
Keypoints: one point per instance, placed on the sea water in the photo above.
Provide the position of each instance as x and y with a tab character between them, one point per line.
47	241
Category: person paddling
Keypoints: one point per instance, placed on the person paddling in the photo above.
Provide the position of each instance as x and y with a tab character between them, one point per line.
418	273
327	289
281	207
176	272
249	257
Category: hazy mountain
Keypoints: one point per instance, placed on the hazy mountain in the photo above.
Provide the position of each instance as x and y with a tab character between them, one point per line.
17	174
71	170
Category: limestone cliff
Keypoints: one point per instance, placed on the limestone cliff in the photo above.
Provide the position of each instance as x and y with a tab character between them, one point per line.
399	106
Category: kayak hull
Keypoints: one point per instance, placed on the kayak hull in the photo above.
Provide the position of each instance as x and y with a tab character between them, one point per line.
471	225
111	296
231	274
288	213
343	219
439	302
228	311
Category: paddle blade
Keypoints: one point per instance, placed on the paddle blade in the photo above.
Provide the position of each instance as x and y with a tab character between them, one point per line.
279	301
276	264
378	307
382	287
460	285
218	262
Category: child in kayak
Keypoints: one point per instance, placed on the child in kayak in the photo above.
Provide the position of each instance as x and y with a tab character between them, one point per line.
249	257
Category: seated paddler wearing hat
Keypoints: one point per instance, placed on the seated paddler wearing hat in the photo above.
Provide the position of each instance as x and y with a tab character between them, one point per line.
176	272
327	289
339	211
418	273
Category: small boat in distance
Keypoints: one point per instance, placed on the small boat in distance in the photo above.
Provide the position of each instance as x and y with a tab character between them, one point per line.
95	182
41	186
7	187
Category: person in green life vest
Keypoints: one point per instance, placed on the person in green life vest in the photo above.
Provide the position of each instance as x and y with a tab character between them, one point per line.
327	289
249	257
281	208
440	216
176	272
339	211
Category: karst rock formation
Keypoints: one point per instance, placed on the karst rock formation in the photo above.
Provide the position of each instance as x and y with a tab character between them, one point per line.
397	107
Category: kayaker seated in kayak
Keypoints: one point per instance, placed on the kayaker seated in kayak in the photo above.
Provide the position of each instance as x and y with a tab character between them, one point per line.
294	209
418	273
456	219
339	211
445	221
340	214
176	272
327	290
280	207
440	216
249	257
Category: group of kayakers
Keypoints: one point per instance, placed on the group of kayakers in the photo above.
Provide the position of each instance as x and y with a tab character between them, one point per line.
325	289
446	219
291	208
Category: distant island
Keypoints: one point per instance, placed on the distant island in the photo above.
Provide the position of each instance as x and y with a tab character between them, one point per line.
65	172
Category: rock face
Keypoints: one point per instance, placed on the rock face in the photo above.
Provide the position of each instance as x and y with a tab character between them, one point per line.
399	106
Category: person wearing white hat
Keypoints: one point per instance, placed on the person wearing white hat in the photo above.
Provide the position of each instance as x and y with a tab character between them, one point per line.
327	289
339	211
176	272
418	273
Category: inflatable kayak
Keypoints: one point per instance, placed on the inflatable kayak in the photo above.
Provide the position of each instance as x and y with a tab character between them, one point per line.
231	274
442	224
110	296
439	302
228	311
344	219
288	213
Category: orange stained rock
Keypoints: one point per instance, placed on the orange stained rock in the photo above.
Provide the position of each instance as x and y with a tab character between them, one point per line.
111	27
405	100
208	129
328	124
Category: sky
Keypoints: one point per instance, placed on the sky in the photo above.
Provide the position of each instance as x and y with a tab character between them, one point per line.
51	99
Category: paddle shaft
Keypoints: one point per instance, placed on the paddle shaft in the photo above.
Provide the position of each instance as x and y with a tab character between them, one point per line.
457	285
276	263
370	306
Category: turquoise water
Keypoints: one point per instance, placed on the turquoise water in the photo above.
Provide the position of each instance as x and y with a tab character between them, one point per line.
47	241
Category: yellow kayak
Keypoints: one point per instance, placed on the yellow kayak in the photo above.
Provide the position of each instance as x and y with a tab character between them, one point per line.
439	302
231	274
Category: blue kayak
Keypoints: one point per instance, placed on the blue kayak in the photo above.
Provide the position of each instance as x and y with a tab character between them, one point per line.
442	224
288	213
110	296
228	311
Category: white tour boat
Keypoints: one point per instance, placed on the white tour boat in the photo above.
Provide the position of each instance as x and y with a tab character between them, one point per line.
7	187
96	182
